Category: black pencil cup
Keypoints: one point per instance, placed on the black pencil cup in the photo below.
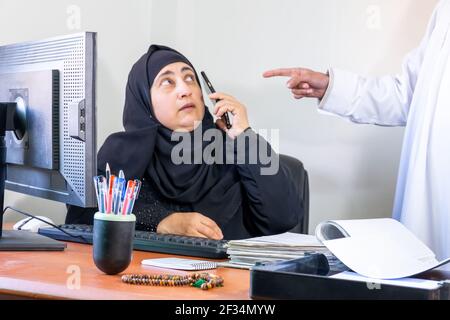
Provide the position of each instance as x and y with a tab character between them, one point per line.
113	241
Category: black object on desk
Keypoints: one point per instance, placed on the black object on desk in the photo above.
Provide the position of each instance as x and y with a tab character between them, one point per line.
309	278
148	241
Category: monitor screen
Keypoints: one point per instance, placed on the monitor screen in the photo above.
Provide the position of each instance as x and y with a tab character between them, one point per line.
52	151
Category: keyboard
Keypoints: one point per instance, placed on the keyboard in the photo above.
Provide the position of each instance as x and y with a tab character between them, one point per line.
147	241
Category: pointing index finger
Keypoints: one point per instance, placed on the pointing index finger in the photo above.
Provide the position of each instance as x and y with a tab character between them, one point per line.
281	72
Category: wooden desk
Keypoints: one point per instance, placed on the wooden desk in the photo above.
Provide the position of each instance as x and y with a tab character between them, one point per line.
46	275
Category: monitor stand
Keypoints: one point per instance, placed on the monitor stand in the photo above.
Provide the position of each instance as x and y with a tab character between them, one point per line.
16	240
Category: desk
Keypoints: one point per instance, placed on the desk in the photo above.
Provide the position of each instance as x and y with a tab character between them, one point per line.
44	275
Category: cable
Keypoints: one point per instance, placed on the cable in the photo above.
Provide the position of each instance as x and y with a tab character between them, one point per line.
49	223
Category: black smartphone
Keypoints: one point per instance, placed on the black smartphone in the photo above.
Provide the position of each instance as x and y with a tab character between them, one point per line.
210	90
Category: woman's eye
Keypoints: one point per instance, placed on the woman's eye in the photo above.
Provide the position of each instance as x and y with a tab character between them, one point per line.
166	82
190	78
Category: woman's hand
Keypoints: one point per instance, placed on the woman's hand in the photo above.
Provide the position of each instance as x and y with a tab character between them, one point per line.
190	224
228	103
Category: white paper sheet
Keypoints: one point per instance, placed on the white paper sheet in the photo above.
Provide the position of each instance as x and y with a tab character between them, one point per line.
380	248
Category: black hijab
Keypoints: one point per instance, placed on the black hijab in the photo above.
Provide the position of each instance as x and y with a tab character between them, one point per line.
145	147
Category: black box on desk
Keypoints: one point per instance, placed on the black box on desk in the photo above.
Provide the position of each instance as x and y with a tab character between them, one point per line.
310	278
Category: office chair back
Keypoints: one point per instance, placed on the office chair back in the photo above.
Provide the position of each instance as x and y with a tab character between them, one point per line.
299	173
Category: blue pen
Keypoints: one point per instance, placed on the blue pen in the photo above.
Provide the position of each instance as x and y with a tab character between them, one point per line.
114	196
96	185
103	194
100	183
124	189
118	190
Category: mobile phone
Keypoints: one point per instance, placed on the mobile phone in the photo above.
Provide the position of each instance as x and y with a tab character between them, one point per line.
210	90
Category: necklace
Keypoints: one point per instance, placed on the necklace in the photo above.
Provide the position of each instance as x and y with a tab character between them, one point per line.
203	281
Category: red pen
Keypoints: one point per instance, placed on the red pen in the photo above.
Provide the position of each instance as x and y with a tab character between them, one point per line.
128	196
137	187
112	178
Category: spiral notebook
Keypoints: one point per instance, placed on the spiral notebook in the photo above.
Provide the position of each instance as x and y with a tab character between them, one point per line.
180	264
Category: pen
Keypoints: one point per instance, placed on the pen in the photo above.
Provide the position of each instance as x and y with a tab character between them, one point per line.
128	196
137	187
103	191
116	195
100	190
97	189
112	179
122	191
119	186
108	172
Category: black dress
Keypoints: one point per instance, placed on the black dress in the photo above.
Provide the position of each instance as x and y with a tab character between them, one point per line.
271	203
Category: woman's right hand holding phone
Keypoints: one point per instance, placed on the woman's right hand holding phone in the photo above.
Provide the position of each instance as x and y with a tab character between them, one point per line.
230	104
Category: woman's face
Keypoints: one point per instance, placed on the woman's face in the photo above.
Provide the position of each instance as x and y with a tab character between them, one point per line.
177	98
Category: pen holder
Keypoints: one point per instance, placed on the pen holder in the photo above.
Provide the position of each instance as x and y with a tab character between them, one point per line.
113	241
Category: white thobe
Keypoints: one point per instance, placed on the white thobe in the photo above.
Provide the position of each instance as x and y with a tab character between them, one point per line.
418	98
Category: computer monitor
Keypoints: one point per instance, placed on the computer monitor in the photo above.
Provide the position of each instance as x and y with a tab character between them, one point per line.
47	111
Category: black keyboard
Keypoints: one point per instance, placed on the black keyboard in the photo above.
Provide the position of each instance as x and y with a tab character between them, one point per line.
147	241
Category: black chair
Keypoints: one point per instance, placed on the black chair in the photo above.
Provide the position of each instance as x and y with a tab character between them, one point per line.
299	173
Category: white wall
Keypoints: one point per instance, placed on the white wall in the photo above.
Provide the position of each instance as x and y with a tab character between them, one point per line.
352	167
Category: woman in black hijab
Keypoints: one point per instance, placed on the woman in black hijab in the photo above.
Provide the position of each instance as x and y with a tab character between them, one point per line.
207	199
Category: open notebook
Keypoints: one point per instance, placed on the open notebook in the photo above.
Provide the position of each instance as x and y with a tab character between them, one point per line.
377	248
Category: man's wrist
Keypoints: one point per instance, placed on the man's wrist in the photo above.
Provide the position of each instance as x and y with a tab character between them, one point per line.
326	93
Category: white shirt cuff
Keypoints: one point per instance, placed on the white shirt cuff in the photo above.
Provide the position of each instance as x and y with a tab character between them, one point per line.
341	94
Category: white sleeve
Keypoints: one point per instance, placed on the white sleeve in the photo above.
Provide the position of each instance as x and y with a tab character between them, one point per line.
376	100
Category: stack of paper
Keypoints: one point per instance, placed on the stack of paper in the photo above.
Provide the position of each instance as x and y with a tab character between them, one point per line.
274	248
